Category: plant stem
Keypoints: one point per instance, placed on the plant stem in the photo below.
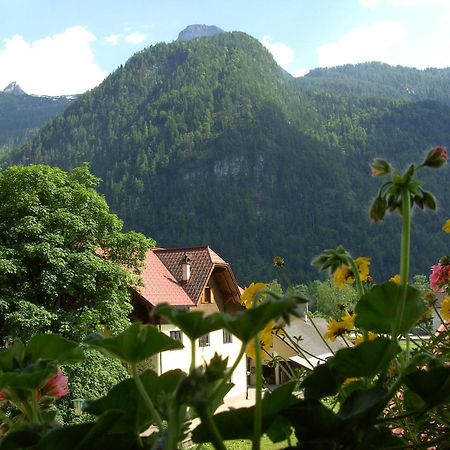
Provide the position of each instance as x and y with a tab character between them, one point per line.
320	334
146	398
257	418
192	355
404	265
207	418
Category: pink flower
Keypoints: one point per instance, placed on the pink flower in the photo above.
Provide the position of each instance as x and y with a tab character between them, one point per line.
56	386
436	157
440	275
3	395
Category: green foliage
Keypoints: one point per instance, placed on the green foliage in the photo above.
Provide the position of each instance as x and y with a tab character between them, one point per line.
329	300
65	265
187	130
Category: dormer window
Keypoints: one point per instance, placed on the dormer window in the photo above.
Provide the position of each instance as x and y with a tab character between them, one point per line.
207	296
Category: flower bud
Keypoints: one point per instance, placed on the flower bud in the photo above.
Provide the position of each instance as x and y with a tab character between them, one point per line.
379	167
56	386
444	261
436	157
429	201
278	261
378	209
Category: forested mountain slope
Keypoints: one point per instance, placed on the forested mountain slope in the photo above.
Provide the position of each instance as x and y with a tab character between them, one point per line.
208	141
22	115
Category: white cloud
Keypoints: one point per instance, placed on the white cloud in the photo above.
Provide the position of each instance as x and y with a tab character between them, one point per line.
135	38
113	39
282	54
362	44
55	65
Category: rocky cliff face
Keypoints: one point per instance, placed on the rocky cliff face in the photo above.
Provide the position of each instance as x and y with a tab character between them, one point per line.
195	31
14	88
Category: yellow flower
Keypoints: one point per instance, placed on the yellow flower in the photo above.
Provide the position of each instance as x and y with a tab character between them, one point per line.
446	226
335	329
348	320
363	264
445	308
265	339
250	292
370	336
395	279
344	273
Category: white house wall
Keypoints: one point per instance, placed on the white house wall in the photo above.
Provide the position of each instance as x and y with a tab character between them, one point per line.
181	359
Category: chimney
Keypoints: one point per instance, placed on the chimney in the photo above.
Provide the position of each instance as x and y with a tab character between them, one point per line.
186	266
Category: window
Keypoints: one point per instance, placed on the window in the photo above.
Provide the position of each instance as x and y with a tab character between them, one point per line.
204	341
207	298
177	336
227	339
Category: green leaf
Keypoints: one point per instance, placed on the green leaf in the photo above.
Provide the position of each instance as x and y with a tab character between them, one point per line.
126	397
136	343
30	377
54	347
245	325
364	405
193	323
364	360
322	382
238	424
432	385
66	438
312	421
18	440
378	309
379	438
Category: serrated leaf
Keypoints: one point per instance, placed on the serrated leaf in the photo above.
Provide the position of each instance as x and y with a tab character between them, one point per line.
136	343
432	385
378	309
53	347
192	323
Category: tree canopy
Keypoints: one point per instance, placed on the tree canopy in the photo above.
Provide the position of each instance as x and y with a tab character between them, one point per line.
64	257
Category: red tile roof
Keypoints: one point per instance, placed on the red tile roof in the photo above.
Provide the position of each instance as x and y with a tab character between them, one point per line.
162	275
159	285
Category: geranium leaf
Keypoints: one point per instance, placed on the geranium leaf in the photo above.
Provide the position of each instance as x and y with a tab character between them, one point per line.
193	323
378	309
136	343
54	347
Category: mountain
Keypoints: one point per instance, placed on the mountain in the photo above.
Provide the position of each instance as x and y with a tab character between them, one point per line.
21	115
195	31
207	141
14	89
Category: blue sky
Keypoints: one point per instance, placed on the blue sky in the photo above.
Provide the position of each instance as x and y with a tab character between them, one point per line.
57	47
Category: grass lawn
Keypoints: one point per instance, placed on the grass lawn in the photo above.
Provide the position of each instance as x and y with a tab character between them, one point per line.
266	444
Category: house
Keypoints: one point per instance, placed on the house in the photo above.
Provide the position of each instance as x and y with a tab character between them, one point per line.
308	336
198	279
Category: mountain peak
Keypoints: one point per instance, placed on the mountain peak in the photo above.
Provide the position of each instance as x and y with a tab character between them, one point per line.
195	31
14	89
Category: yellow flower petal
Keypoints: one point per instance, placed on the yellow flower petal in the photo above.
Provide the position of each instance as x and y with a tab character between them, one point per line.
342	275
445	308
363	264
395	279
335	329
370	336
250	292
446	226
348	320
